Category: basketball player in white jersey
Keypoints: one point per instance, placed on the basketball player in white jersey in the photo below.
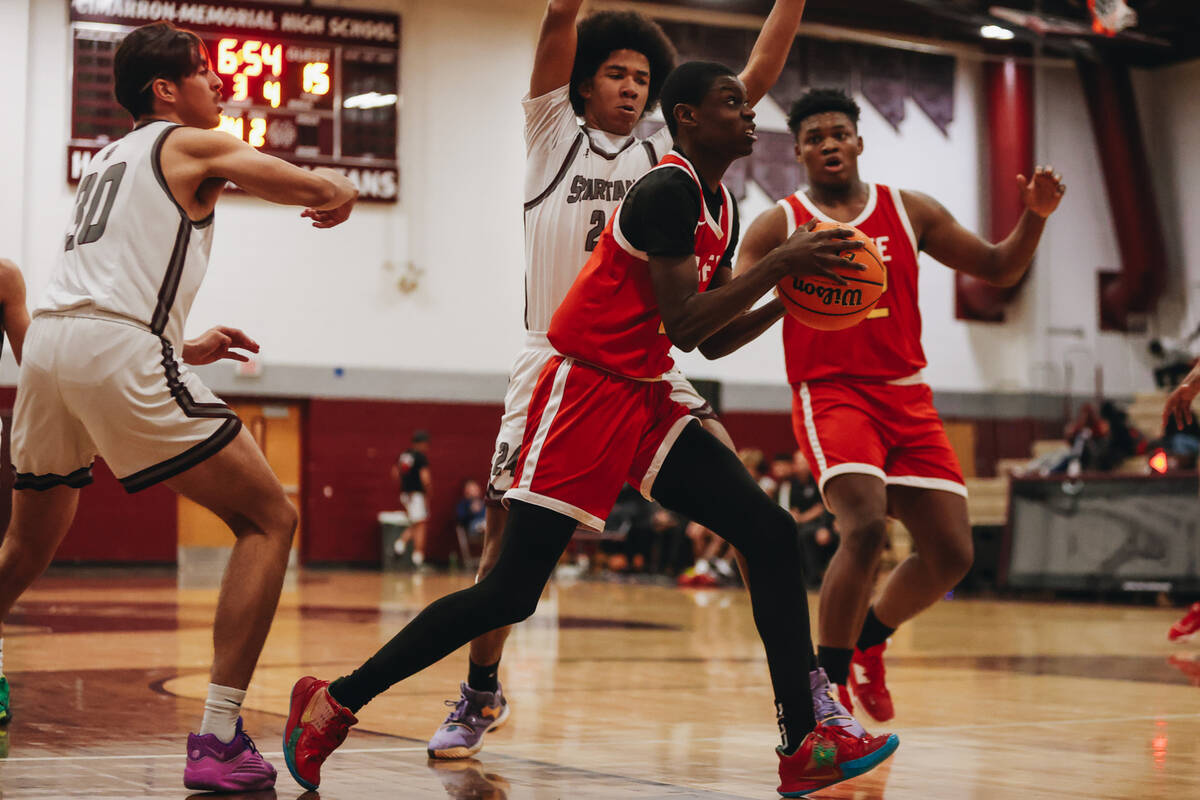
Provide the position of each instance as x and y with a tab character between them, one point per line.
102	375
607	70
14	321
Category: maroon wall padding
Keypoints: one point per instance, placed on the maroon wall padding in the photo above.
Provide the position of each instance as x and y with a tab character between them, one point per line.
768	431
115	527
1118	134
110	525
349	449
1008	88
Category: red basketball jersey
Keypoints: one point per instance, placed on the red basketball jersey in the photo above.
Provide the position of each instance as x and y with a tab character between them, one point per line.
610	317
887	344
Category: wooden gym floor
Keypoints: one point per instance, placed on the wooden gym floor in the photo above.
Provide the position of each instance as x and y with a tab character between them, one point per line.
618	691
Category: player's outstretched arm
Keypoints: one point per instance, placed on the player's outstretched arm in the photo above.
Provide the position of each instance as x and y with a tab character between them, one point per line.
1000	264
216	343
209	155
771	48
690	316
12	300
555	53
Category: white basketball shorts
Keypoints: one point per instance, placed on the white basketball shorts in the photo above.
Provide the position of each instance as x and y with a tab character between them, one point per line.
103	385
525	371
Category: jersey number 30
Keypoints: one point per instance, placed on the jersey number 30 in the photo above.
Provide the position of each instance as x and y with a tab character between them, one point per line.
90	226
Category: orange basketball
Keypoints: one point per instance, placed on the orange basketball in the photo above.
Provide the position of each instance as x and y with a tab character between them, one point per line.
821	303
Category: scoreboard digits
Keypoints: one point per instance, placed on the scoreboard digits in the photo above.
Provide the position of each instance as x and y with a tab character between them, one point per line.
319	87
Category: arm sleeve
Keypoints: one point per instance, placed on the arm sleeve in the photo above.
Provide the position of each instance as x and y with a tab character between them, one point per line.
659	214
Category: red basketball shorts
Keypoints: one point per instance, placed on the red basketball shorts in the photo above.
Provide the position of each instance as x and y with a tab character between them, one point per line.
887	430
589	432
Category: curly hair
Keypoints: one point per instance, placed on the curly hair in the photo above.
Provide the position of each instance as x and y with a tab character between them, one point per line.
821	101
603	33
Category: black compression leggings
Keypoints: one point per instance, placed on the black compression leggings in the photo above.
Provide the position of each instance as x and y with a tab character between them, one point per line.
701	479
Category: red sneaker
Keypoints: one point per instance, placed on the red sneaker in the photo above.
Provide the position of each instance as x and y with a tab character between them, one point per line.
844	697
1186	628
831	755
867	679
316	725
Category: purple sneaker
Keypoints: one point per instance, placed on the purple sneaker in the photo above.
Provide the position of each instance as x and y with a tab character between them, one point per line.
475	713
215	766
826	707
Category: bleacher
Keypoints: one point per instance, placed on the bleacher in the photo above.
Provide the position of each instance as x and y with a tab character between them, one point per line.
987	502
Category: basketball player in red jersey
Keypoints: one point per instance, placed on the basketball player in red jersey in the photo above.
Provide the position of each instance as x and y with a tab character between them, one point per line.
602	415
608	70
861	411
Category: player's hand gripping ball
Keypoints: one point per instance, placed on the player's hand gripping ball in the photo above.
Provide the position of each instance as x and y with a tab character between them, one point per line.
825	304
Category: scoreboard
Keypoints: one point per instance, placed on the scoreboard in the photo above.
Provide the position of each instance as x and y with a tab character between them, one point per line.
315	86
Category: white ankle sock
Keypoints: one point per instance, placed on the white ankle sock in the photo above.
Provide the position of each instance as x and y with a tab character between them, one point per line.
221	711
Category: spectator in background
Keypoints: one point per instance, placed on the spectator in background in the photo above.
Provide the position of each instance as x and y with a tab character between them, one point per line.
1123	440
801	496
755	463
780	474
1174	358
412	470
469	511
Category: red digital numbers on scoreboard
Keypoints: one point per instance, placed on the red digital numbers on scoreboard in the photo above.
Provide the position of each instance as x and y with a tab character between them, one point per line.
319	87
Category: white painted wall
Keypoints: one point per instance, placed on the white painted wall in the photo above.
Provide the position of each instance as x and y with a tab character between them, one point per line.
329	298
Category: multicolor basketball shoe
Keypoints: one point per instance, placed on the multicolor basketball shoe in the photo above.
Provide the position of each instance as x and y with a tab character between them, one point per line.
829	755
1186	628
867	678
5	702
214	766
826	708
316	725
475	713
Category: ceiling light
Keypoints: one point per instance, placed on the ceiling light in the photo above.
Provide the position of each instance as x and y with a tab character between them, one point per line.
369	100
995	32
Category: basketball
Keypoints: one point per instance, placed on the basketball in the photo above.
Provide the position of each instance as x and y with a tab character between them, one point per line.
822	303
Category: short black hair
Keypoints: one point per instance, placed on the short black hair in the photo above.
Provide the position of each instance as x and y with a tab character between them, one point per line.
157	50
688	83
822	101
603	33
420	435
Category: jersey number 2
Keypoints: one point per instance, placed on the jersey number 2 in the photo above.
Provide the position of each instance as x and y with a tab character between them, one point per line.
597	222
90	226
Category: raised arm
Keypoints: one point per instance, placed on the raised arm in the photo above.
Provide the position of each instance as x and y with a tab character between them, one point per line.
771	48
1000	264
555	54
12	300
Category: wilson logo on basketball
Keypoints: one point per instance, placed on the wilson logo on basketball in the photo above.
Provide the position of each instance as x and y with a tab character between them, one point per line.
829	295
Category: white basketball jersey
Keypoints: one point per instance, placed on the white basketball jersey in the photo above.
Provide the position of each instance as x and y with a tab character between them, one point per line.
574	180
130	249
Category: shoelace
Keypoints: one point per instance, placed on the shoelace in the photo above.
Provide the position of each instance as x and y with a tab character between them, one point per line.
249	742
460	710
